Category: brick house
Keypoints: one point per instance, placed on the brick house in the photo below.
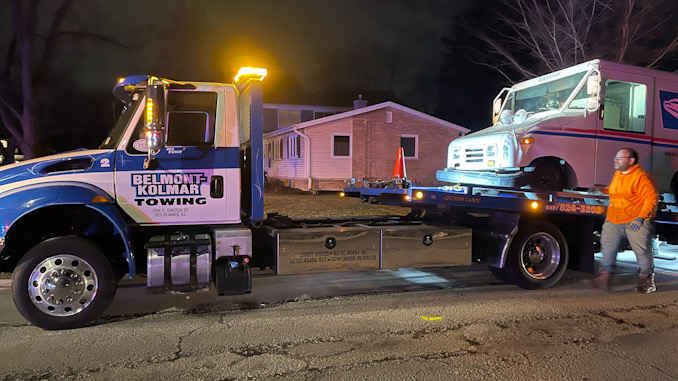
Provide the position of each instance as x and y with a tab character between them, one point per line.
362	143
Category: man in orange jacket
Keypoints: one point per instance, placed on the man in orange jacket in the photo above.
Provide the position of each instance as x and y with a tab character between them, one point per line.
630	215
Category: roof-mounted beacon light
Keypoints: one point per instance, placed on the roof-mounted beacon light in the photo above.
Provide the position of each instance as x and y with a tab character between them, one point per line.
250	74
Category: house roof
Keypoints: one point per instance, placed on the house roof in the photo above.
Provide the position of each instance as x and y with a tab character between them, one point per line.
364	110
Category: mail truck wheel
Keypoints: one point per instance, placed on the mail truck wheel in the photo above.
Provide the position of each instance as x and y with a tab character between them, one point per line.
548	175
673	187
538	256
63	283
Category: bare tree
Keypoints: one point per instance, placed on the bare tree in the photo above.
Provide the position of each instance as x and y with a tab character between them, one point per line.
20	116
36	29
536	36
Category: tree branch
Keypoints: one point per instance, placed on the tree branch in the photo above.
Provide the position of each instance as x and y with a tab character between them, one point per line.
14	130
50	45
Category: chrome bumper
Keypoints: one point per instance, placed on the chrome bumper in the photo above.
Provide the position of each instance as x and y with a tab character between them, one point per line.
514	179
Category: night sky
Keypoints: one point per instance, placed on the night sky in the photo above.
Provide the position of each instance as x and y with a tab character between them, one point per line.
309	47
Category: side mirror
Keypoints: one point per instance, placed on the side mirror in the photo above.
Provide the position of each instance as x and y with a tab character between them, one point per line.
496	106
592	104
155	121
497	103
520	116
593	89
593	84
506	117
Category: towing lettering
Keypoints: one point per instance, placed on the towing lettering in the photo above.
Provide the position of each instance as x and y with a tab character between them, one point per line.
171	201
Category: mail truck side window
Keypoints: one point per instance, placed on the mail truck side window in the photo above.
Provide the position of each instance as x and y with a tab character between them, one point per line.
625	106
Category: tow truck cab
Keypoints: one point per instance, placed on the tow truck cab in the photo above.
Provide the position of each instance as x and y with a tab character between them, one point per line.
167	180
561	130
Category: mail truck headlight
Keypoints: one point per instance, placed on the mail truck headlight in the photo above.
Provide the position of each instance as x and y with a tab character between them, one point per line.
491	151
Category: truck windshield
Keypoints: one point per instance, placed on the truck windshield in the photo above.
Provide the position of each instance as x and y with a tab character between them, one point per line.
120	125
544	96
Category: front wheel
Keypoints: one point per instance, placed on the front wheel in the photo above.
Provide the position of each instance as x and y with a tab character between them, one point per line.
63	283
538	256
548	175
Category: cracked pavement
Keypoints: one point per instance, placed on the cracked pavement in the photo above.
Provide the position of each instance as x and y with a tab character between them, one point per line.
485	332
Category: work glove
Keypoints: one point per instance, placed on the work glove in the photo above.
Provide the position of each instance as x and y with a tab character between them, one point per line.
636	224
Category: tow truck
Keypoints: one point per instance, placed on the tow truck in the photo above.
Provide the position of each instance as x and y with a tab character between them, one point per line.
175	193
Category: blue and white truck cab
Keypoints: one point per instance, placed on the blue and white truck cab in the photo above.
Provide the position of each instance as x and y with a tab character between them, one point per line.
561	130
167	180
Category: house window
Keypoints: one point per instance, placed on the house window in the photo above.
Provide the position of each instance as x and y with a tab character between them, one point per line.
293	146
287	118
298	145
389	116
267	155
306	115
410	145
285	151
341	146
278	149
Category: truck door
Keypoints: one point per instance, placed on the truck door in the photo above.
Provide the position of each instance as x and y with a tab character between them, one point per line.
665	137
187	184
625	120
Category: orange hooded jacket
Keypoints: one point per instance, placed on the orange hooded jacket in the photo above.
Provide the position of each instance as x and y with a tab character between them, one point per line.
632	195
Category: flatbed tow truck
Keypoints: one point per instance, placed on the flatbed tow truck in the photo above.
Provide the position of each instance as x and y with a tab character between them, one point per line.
528	237
175	192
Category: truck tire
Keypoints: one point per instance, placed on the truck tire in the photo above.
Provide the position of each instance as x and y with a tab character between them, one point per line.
538	256
673	186
548	175
63	283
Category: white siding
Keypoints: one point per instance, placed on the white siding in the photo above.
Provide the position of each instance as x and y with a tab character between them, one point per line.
323	165
287	168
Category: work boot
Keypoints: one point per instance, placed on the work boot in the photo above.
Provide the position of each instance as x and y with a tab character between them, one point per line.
602	280
646	284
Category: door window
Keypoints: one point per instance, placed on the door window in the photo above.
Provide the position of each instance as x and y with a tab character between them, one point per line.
625	105
190	121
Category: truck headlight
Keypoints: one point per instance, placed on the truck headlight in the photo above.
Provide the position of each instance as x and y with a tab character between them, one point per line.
456	153
491	151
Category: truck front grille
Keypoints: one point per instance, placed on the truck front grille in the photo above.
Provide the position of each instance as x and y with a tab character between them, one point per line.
474	155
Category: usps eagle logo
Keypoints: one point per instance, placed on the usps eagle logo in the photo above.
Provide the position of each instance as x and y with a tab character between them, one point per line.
671	106
669	109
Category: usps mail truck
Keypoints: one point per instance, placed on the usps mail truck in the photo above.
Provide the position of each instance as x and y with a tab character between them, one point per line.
561	130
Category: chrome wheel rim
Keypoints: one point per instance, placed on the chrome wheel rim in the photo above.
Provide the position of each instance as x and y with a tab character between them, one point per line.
62	285
540	256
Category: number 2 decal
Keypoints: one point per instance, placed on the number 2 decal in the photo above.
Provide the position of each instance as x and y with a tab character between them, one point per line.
105	163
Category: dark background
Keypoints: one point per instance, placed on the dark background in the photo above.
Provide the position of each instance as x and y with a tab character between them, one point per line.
419	53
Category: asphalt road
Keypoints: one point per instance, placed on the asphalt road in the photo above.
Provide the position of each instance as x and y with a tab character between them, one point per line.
454	323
